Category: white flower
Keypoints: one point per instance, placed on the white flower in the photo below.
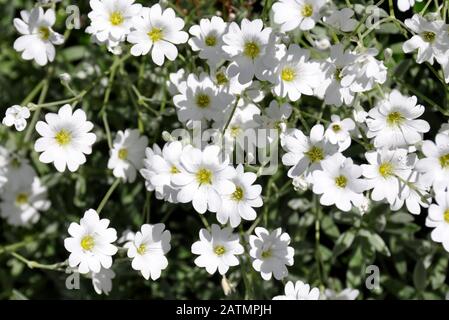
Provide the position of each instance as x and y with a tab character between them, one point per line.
205	178
16	116
384	170
158	31
271	253
336	89
341	20
102	281
239	204
438	218
112	20
414	193
431	39
247	47
208	39
295	74
435	165
65	138
305	154
148	250
177	82
127	153
217	249
38	38
201	100
229	84
393	122
90	243
21	202
291	14
346	294
405	5
338	182
164	164
275	116
299	291
338	132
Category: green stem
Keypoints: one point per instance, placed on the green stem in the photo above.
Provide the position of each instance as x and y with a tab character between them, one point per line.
36	265
36	114
107	195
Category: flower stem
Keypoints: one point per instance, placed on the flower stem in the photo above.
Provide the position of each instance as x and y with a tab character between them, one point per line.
107	195
36	114
36	265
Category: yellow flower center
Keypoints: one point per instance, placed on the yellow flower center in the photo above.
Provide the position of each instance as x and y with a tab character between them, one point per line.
386	169
338	74
87	242
123	154
428	36
174	170
204	176
266	254
307	10
336	128
444	161
395	118
219	250
142	249
44	33
237	195
288	74
315	154
21	198
446	215
210	41
202	100
235	131
155	34
251	50
221	78
116	18
63	137
341	181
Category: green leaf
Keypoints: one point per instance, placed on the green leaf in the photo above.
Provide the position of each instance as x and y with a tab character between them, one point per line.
343	242
420	276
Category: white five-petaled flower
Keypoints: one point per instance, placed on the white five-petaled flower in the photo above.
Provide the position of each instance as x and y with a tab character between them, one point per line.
384	172
275	116
295	74
208	39
271	253
239	204
127	153
438	218
65	138
112	20
159	31
16	116
90	244
292	14
21	201
38	38
393	122
299	291
201	100
204	179
435	165
217	249
305	154
431	39
148	250
338	132
247	47
341	19
102	281
339	183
